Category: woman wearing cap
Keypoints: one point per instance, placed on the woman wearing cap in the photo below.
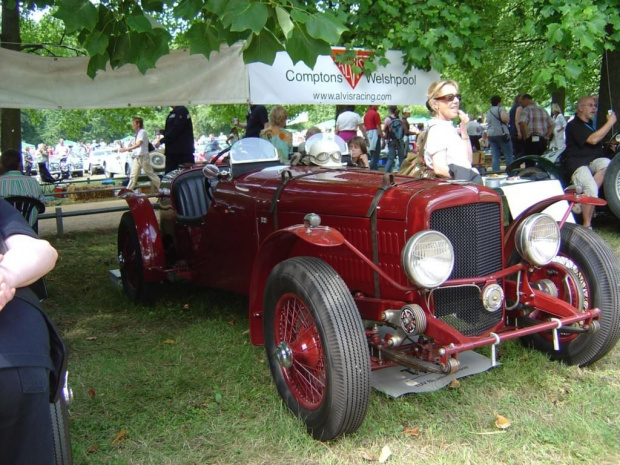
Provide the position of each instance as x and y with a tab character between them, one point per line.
447	152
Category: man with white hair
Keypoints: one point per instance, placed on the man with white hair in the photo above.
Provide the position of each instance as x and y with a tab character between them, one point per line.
584	159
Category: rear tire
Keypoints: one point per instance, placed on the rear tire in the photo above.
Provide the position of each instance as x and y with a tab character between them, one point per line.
60	429
586	273
131	263
311	316
612	186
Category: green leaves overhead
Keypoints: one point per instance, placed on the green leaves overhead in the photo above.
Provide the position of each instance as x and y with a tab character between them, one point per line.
261	48
505	44
325	27
77	14
253	17
202	39
126	32
302	47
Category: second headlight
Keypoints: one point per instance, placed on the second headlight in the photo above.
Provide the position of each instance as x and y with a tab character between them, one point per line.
538	239
428	259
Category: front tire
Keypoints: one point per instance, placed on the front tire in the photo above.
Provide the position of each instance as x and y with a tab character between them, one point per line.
131	263
611	185
586	274
316	347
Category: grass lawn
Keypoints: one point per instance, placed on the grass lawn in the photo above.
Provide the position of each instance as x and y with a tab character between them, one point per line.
180	383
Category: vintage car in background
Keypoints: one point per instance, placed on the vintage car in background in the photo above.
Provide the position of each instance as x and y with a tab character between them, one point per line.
65	167
112	162
549	164
350	270
93	163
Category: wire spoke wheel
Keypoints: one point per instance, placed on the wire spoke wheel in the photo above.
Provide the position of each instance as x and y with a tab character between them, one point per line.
584	274
316	347
296	328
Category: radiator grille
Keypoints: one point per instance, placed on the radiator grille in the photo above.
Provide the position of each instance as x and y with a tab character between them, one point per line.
474	231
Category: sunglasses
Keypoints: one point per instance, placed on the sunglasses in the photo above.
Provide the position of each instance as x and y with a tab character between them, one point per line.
449	97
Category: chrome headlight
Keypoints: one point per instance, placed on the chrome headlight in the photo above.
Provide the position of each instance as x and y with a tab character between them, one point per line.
428	258
538	239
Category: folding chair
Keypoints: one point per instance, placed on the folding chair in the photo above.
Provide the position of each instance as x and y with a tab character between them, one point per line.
29	207
48	182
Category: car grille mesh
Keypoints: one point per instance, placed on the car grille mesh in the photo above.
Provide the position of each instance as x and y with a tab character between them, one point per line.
474	231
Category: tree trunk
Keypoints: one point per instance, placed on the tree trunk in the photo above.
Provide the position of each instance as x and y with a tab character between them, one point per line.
609	90
10	119
559	96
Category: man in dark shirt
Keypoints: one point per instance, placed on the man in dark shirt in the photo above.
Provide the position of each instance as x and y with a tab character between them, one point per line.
179	139
255	121
26	434
584	159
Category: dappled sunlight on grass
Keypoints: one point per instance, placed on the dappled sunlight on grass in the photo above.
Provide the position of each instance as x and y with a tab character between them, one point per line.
182	378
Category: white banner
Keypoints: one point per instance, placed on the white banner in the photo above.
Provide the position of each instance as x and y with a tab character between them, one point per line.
32	81
328	82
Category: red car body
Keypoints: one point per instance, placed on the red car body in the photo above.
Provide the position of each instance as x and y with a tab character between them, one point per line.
252	220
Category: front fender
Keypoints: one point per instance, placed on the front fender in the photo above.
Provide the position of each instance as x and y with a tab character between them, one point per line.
149	236
276	248
509	236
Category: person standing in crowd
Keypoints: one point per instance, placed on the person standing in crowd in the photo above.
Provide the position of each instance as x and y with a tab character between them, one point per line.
446	153
275	133
515	129
178	138
536	127
374	132
394	132
255	121
407	129
474	131
499	133
233	136
140	156
558	142
61	150
359	152
347	124
26	433
584	159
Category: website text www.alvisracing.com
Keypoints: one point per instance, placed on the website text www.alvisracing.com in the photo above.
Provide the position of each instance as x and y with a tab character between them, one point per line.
351	96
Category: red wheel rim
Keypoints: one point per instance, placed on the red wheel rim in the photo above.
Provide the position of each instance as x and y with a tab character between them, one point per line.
307	377
569	281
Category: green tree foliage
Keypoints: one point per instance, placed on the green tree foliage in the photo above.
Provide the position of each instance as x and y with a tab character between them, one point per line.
489	46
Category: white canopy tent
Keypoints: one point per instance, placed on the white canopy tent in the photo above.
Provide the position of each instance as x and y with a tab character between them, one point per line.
32	81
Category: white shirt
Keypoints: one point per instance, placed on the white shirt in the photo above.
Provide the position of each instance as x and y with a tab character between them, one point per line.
442	135
348	121
144	140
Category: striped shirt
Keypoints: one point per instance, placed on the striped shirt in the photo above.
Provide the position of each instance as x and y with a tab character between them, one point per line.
537	119
15	183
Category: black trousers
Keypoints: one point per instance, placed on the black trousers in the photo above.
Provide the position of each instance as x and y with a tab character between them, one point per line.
535	147
26	435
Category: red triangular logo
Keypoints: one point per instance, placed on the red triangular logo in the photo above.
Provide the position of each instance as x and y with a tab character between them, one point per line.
346	69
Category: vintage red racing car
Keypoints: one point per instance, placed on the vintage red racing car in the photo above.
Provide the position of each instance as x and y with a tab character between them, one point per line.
332	256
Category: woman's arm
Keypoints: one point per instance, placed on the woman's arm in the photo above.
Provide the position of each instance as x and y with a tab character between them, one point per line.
505	117
440	164
26	260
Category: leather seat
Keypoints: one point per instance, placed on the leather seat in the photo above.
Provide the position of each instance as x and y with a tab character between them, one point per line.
191	198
